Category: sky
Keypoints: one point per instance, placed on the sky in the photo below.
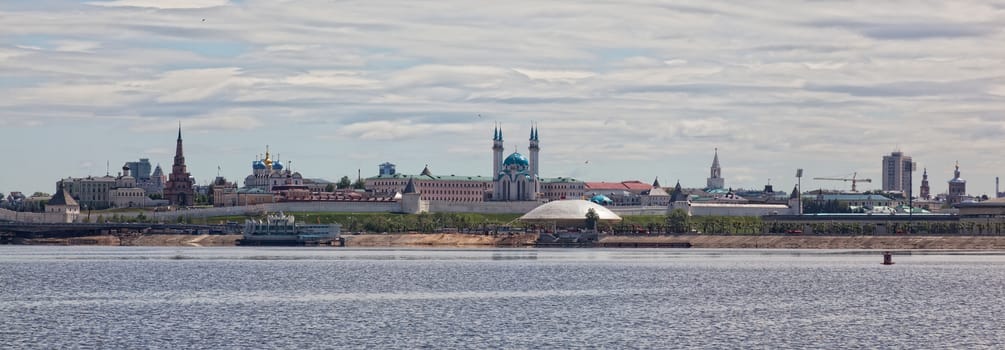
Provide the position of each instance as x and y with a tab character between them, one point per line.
620	90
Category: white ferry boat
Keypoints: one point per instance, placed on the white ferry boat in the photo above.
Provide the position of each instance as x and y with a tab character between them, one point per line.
282	229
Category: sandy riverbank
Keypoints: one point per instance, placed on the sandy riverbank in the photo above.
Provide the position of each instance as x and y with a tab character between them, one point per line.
441	240
525	240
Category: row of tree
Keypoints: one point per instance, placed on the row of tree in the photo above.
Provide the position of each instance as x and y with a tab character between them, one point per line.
676	222
345	183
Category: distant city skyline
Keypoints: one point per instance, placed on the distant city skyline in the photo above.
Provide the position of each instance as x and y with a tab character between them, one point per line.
620	91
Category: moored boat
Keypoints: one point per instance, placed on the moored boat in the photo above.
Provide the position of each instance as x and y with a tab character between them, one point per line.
282	229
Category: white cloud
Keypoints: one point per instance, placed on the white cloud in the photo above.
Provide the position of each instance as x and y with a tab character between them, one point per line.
398	130
660	83
76	45
172	4
556	75
194	84
333	78
213	122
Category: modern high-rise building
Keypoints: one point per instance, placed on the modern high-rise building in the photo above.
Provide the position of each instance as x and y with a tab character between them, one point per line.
387	169
139	170
152	184
898	170
715	180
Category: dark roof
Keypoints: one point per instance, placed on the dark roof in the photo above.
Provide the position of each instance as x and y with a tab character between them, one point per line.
431	177
410	186
62	197
678	194
558	179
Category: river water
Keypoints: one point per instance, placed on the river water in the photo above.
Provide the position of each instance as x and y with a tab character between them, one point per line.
294	298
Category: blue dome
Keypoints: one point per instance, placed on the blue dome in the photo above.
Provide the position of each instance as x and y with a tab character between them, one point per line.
516	158
258	165
277	165
601	199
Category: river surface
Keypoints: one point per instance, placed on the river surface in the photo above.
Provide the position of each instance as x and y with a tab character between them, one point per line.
297	298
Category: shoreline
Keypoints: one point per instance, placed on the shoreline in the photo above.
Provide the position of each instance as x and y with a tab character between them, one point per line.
447	240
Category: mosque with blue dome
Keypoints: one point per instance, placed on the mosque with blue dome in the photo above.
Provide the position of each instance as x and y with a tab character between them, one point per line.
516	177
267	174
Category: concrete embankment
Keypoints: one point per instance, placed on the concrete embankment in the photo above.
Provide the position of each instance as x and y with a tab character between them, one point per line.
146	240
525	240
819	242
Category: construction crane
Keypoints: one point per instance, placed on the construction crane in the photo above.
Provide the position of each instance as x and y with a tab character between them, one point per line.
854	180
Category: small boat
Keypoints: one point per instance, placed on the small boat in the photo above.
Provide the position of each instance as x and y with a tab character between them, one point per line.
283	230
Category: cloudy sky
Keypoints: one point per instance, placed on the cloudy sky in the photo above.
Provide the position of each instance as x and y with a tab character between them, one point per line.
621	90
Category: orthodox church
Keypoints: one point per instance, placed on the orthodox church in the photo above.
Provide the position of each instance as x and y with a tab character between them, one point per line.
267	174
516	177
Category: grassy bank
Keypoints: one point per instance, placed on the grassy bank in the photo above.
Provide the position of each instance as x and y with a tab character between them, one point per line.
436	222
392	222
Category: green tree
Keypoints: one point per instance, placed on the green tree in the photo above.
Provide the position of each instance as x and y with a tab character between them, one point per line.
678	221
360	184
201	199
330	187
344	183
591	219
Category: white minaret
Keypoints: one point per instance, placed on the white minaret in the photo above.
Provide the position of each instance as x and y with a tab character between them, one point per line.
497	151
534	149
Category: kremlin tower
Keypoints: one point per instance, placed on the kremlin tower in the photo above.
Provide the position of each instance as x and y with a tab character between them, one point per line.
180	187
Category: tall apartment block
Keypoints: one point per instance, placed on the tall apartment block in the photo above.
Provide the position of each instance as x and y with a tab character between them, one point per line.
898	170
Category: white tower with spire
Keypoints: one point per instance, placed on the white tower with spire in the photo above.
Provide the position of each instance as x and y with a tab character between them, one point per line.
715	180
534	149
497	151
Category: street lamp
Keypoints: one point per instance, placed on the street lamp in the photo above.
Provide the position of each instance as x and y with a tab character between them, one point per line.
910	196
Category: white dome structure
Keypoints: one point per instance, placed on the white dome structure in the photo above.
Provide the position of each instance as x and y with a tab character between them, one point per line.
571	211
